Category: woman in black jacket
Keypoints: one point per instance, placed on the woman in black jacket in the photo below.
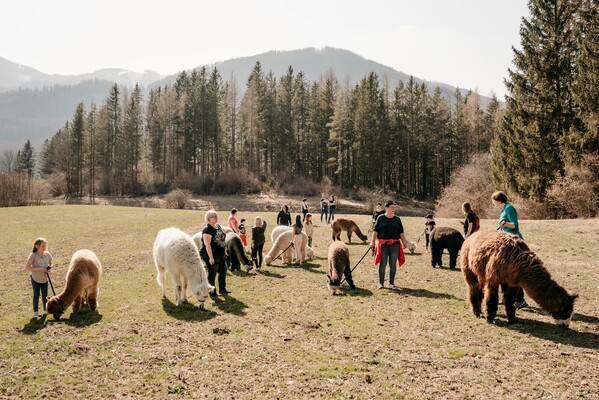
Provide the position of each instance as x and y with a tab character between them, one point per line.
258	240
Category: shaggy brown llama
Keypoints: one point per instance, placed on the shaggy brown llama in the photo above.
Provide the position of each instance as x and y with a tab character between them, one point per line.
81	287
490	259
338	259
343	224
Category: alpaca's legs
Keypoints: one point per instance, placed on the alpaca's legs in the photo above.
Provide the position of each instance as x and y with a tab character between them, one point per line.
349	233
177	287
184	289
161	277
491	299
509	297
92	297
77	303
474	292
437	256
453	258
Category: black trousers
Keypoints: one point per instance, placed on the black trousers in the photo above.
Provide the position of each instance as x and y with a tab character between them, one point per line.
257	255
219	267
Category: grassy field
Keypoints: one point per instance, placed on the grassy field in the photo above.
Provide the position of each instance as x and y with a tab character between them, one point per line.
280	333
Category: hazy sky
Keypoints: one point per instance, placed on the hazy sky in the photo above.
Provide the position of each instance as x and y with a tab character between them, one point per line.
465	43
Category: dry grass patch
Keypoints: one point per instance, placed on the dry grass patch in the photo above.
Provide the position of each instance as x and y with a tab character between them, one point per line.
280	334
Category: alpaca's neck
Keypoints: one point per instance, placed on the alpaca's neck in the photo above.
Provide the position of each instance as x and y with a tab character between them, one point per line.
69	294
543	289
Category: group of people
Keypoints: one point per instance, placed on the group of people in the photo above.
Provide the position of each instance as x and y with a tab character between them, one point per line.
389	239
328	205
388	242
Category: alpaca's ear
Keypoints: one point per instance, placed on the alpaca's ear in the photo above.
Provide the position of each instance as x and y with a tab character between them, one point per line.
574	297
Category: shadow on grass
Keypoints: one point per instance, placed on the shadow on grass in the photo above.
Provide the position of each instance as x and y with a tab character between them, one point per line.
241	273
424	293
357	292
186	311
312	267
34	325
585	318
230	305
84	317
554	333
265	272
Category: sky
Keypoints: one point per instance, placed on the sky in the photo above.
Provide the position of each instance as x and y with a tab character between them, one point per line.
464	43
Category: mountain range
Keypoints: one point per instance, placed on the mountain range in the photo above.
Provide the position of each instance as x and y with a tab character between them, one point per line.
34	105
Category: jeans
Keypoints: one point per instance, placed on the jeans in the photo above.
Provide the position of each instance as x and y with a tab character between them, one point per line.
324	212
331	214
257	255
388	254
37	288
220	267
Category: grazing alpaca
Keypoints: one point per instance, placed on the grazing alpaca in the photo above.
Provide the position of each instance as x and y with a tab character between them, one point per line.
445	238
176	252
276	232
282	243
491	259
82	280
338	259
343	224
235	253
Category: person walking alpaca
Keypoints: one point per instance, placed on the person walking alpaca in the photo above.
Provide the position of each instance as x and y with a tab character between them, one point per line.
39	265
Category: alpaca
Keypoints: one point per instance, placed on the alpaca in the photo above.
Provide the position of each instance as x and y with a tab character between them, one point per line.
176	252
445	238
343	224
82	280
339	265
282	243
491	259
236	255
276	232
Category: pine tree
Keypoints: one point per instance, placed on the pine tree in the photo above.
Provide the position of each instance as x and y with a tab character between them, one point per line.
26	159
529	149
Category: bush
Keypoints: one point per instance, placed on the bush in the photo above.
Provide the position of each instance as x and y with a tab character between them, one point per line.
178	198
576	194
236	182
472	183
228	183
14	189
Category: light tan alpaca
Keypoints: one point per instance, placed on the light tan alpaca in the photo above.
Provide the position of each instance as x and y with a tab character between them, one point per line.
82	280
343	224
282	243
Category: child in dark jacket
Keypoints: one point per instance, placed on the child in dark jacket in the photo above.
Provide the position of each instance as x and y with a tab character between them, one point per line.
258	240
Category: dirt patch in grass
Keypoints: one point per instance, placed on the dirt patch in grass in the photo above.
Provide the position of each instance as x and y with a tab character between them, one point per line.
280	333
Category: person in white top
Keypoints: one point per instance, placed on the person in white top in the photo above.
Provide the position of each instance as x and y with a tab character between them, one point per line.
39	264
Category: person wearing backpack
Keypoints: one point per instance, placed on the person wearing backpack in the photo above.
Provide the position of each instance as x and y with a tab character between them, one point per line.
472	222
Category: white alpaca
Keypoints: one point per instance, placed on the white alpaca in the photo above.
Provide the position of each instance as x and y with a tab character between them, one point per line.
282	243
308	251
276	232
176	252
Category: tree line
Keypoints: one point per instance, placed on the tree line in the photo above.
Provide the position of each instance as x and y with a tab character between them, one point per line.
403	139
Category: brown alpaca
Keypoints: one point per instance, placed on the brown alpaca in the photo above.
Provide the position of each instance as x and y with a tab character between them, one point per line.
82	280
343	224
490	259
338	259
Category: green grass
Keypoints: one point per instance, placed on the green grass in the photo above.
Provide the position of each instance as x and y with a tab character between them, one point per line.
281	334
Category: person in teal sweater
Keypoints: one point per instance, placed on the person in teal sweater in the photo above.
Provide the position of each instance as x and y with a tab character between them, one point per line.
508	222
